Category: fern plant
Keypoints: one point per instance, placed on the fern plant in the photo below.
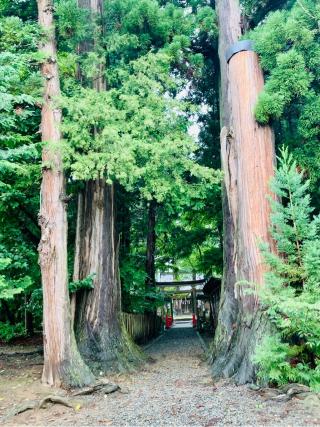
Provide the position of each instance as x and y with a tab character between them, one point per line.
291	293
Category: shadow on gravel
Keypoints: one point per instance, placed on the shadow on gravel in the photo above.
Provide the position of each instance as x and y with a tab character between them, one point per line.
180	331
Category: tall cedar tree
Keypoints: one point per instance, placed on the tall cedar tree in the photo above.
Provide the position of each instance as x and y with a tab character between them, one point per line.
99	331
247	153
63	365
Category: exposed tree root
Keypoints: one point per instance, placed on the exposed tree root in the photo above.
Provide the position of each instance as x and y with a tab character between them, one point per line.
284	393
55	400
38	404
22	353
104	387
19	409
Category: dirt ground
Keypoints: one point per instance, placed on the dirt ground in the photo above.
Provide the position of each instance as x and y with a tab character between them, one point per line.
175	388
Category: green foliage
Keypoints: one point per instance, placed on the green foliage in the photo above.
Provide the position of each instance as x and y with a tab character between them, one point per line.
25	9
136	133
291	295
142	138
9	332
73	24
86	283
20	82
10	288
20	90
256	10
137	297
279	92
288	44
134	27
190	239
280	363
35	305
131	29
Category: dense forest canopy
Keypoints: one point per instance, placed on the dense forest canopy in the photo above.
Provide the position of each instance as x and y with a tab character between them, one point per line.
154	134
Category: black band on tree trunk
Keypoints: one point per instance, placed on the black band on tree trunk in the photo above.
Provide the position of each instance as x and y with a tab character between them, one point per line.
240	46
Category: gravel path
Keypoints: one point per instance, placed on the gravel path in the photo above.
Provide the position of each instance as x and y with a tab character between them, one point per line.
176	389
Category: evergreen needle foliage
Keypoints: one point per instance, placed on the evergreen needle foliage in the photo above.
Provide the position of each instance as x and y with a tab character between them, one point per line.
288	44
291	294
77	285
20	90
142	138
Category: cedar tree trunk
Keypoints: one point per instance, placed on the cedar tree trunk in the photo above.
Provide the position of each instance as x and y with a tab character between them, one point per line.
247	152
99	329
151	244
63	365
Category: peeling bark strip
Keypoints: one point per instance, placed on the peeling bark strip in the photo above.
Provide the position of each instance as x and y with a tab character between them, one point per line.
63	365
247	152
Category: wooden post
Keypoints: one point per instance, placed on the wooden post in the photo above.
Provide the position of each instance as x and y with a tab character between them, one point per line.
197	308
194	300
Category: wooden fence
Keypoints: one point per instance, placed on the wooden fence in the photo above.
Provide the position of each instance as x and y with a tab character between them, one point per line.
142	327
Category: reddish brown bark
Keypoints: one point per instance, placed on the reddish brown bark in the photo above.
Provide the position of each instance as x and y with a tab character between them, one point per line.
247	152
254	166
63	365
